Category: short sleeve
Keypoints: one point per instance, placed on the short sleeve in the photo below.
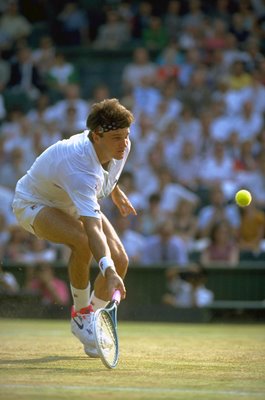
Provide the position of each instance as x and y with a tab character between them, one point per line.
82	189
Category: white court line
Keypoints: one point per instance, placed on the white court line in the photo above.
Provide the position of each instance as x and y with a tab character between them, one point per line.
132	389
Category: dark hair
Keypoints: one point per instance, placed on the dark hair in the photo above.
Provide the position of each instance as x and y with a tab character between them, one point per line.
108	115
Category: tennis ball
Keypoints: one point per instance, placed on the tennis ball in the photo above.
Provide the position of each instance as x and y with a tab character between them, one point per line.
243	198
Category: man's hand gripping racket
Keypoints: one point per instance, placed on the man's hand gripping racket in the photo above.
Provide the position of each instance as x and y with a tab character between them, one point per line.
105	332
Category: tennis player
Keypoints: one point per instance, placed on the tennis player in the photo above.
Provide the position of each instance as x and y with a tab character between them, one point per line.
58	200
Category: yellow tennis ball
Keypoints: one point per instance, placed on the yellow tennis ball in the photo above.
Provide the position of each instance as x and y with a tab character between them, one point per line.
243	198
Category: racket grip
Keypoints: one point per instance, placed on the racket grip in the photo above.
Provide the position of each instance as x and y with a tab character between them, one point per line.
117	296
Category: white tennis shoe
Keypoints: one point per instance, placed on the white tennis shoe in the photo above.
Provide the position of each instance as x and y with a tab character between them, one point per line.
82	328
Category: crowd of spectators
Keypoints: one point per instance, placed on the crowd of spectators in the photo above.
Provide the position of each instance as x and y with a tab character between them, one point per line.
195	83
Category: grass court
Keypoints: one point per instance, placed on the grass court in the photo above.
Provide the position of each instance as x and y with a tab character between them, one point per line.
40	359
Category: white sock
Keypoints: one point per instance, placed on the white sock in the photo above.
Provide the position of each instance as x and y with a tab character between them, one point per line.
96	302
80	297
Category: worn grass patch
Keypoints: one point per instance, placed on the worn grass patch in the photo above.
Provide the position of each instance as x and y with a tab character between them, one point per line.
40	359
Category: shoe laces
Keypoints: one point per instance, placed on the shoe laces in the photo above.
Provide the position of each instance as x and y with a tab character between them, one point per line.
83	312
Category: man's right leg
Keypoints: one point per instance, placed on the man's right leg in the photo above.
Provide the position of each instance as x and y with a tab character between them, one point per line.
56	226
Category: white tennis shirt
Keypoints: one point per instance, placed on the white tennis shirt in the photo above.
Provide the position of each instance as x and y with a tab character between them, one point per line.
69	176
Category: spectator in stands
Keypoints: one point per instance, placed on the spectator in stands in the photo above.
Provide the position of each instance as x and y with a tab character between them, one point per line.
61	74
73	25
43	56
245	162
215	38
146	97
6	198
141	19
255	93
72	100
249	123
126	11
251	231
186	221
127	184
217	167
233	147
144	136
232	53
140	68
137	199
223	115
215	68
50	134
113	34
245	9
17	245
197	94
14	169
151	217
206	119
172	19
154	35
100	92
172	144
187	290
222	250
146	175
190	126
256	181
132	241
191	62
23	140
164	115
164	247
13	24
195	15
254	51
216	211
36	115
168	62
24	75
221	11
70	125
186	166
38	251
154	176
169	106
8	283
239	29
42	282
239	78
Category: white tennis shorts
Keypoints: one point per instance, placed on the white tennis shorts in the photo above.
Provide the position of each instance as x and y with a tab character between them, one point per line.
25	212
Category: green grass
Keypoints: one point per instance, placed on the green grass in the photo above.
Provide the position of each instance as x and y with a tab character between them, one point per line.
41	360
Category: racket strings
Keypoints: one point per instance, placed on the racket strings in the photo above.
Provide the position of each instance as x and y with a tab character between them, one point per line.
107	337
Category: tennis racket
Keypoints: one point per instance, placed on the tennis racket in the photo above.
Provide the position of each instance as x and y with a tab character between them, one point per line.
105	332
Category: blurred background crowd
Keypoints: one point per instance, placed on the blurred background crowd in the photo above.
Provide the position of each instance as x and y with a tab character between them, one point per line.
194	79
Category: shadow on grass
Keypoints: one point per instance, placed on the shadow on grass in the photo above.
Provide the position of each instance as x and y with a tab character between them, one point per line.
43	360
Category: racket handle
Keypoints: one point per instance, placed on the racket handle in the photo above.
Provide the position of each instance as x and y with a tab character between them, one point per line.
117	296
